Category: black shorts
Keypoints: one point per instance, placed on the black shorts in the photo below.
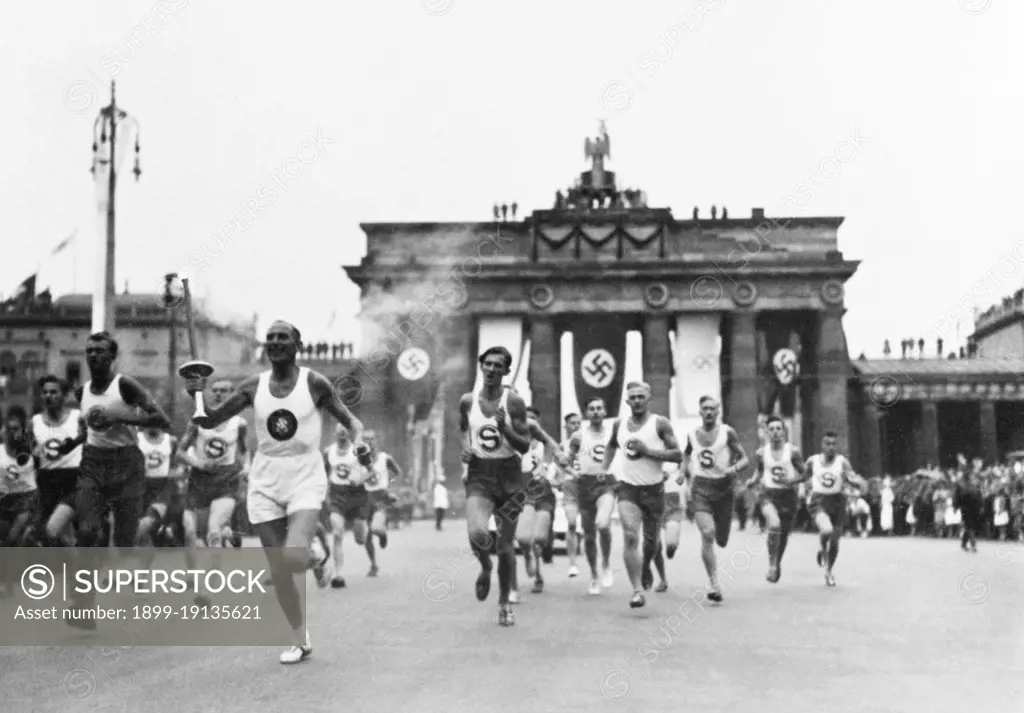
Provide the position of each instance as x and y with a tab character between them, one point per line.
159	491
377	500
205	486
714	496
540	494
650	499
56	487
591	488
12	505
352	503
834	505
786	503
673	508
500	480
110	479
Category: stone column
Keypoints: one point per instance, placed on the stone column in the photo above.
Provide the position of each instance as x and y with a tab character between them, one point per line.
546	372
832	374
657	362
740	408
989	433
457	334
871	462
928	435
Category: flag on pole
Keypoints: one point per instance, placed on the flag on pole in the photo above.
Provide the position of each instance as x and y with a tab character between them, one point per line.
63	243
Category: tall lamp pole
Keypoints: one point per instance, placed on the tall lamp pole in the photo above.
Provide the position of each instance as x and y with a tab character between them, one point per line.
104	165
171	304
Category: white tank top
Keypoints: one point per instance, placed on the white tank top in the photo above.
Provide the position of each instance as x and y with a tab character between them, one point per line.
345	468
157	455
378	477
17	479
52	436
218	446
592	448
672	471
636	469
827	479
291	426
533	459
711	461
778	471
485	440
117	436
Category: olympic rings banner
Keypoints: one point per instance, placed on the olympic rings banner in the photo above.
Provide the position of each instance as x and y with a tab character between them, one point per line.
599	361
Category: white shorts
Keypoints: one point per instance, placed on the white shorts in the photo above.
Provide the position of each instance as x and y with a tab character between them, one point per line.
280	486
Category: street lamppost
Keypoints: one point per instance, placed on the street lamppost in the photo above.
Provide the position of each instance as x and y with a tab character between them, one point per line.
104	168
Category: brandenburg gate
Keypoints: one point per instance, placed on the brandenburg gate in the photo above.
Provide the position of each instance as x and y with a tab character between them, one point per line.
746	309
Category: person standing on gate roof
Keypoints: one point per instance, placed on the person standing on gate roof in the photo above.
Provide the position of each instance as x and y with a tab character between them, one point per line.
55	430
570	494
648	442
596	487
380	474
494	432
287	486
216	464
713	457
112	473
778	466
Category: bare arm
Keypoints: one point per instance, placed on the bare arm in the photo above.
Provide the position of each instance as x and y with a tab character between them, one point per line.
742	461
538	432
798	462
240	399
671	452
852	477
327	399
464	405
516	429
807	472
393	469
243	435
182	455
574	444
135	394
613	446
685	463
758	469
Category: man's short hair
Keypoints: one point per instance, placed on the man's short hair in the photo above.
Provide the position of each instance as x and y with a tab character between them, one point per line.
830	434
105	337
705	399
638	385
296	334
505	354
593	399
17	412
773	419
571	415
54	379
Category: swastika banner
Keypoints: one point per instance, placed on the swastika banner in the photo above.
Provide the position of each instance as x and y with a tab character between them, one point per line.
599	360
414	368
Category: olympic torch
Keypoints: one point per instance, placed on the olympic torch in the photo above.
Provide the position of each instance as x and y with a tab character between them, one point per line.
195	367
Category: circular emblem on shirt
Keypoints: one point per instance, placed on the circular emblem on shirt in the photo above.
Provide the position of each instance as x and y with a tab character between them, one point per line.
51	448
597	453
282	424
215	448
154	459
598	368
489	438
630	450
413	364
96	419
341	473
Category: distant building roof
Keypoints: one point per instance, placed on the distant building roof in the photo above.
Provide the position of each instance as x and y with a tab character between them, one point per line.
939	368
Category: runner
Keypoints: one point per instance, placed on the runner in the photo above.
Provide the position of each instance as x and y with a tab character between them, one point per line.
57	432
158	451
596	489
534	525
348	501
712	459
19	496
570	494
286	482
647	441
380	474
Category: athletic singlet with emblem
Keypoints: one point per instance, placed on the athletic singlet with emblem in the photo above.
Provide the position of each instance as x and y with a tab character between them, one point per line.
710	461
345	468
485	440
52	436
533	459
592	448
640	470
778	470
378	477
157	455
290	426
118	435
218	446
827	479
17	479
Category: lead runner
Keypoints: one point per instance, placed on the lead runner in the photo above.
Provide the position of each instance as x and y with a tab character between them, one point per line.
287	486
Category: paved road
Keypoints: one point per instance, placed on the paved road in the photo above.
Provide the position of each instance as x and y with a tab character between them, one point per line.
914	625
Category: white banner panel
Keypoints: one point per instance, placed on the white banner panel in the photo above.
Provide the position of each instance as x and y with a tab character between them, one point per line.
501	332
697	351
567	379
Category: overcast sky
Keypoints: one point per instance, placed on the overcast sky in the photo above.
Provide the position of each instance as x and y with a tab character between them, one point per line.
434	110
